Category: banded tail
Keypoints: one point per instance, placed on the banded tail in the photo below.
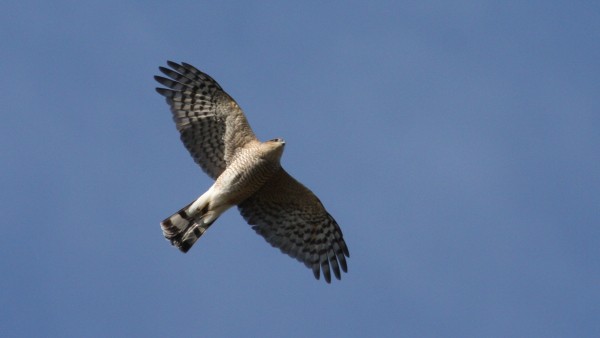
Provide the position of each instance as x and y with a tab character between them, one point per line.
183	229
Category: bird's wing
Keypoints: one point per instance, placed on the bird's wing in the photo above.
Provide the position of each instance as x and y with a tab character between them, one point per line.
290	217
212	126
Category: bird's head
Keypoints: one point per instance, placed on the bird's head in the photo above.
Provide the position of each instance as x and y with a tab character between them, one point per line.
275	147
278	140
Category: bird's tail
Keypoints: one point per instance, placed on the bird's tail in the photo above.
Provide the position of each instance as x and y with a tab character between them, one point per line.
184	228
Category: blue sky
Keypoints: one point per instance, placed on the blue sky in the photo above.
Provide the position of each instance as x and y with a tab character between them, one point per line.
457	145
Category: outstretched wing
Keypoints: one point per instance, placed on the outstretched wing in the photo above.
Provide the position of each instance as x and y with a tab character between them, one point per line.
290	217
211	124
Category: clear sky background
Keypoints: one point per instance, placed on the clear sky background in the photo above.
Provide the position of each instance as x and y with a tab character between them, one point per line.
456	143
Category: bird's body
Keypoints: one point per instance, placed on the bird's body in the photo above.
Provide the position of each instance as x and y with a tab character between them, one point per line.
247	174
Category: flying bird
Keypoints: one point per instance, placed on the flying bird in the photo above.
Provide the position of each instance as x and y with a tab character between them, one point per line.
247	174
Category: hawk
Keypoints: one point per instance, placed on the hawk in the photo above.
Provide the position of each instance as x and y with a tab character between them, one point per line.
247	174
